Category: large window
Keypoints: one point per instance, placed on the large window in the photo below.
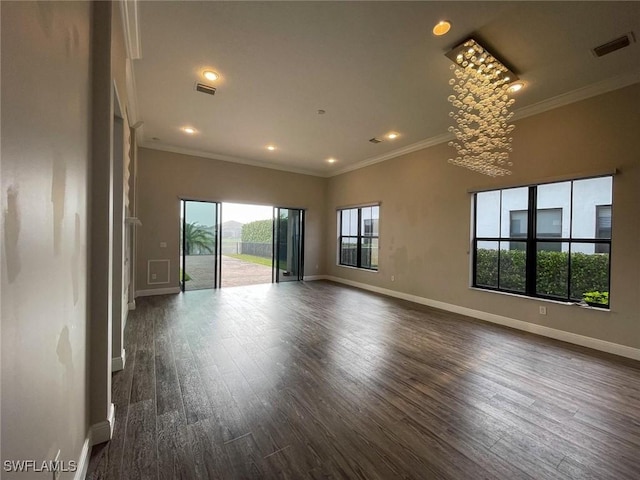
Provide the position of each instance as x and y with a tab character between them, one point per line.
358	237
550	241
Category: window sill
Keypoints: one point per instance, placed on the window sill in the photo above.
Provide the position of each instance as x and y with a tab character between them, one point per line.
357	268
545	300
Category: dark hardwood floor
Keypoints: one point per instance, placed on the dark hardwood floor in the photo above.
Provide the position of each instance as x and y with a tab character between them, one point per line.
316	380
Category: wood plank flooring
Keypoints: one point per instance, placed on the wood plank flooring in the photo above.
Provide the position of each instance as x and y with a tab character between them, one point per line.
316	380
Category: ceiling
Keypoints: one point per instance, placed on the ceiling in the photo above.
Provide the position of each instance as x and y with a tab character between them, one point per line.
374	67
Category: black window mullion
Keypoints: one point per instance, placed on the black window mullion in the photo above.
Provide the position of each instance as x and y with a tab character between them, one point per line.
359	240
570	245
475	241
499	235
532	250
340	259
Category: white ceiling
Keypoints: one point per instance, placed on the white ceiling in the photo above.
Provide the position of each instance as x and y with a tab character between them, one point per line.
374	67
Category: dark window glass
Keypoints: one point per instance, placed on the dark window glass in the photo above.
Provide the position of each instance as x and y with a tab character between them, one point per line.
551	240
358	240
603	227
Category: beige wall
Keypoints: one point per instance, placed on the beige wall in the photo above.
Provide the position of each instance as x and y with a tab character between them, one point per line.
164	177
46	96
425	214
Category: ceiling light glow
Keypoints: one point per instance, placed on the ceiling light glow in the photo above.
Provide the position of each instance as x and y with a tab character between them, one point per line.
271	148
211	75
331	160
189	130
441	28
392	135
515	87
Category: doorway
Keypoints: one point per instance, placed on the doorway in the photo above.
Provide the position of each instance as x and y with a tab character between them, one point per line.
288	227
247	244
200	265
230	244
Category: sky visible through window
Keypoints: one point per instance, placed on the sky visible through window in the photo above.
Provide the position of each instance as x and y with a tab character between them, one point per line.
202	212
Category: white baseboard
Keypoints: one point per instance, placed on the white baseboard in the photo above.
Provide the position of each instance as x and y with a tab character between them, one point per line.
102	431
157	291
311	278
131	305
569	337
117	363
83	461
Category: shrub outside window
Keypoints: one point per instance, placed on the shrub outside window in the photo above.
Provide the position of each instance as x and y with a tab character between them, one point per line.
550	240
358	237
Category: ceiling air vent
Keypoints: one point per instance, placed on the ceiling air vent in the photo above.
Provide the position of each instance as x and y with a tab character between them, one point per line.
201	87
375	140
613	45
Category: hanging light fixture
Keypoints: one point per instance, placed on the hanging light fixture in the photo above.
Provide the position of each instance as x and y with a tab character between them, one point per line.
481	110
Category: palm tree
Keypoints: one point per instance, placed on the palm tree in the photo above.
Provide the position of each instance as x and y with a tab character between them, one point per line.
197	239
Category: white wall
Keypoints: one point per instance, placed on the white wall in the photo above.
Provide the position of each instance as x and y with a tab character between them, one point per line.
46	95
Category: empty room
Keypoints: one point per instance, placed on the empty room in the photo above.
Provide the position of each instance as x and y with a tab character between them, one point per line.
320	239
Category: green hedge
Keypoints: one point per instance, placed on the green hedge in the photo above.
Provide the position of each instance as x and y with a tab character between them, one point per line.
589	272
260	231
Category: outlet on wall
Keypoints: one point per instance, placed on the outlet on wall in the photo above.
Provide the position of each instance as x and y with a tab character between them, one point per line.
543	310
154	276
163	244
393	278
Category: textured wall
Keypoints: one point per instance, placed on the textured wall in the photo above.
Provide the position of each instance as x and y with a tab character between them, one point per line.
426	214
46	96
164	177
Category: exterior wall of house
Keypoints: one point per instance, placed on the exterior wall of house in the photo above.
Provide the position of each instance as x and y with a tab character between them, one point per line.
165	177
425	215
46	145
576	219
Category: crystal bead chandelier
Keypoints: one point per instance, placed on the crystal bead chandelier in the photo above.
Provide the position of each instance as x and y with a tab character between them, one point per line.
481	110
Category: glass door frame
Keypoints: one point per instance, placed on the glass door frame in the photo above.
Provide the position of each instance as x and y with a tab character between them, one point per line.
275	261
217	253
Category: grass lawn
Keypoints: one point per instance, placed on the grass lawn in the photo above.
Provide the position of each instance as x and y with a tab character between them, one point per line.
186	276
251	258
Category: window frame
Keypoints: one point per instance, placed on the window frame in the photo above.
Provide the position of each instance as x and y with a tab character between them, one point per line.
360	236
532	240
598	227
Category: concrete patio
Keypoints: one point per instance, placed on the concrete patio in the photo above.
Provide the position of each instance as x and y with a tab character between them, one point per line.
234	272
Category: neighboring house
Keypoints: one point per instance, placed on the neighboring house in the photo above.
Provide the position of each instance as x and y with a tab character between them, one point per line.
590	202
231	229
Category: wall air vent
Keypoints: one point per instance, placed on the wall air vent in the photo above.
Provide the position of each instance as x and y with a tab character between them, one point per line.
613	45
201	87
375	140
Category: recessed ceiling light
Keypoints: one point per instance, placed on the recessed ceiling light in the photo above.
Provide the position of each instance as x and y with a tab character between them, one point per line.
271	148
189	130
515	87
392	135
211	75
331	160
441	28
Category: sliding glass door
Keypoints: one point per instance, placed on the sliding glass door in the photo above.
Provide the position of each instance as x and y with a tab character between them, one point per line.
200	256
288	244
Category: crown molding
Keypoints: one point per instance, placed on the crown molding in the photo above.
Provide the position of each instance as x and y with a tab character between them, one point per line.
561	100
131	28
228	158
414	147
592	90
